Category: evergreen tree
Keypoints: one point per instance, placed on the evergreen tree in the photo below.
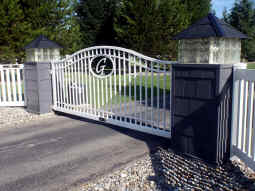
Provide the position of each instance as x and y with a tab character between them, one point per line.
145	25
96	21
55	19
197	9
13	31
225	15
24	20
149	25
242	17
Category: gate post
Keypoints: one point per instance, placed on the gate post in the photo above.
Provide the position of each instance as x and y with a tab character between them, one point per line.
202	110
202	89
38	86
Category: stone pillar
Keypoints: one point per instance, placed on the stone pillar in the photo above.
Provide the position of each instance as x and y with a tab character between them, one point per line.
202	102
38	87
202	88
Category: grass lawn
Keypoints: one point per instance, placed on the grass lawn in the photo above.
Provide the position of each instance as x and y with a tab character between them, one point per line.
134	88
251	65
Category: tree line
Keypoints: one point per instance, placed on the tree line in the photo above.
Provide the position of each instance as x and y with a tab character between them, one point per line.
21	21
143	25
242	17
146	26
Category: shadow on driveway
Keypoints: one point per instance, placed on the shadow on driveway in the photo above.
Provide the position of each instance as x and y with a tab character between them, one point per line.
175	171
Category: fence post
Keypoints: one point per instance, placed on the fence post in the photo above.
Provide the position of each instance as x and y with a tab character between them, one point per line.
39	55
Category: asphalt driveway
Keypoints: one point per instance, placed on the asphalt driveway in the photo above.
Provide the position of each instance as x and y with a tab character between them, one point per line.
63	152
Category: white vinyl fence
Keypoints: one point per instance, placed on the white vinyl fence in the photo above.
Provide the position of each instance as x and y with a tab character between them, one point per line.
12	85
243	123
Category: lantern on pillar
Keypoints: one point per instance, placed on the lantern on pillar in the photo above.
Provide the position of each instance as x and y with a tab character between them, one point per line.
42	50
210	41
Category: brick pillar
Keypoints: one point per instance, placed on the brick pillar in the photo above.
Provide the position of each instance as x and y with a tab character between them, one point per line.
202	102
38	87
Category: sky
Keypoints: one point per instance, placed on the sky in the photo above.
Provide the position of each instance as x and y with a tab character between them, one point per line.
218	6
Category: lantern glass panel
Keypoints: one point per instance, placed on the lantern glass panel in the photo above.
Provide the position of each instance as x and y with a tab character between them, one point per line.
209	51
30	55
193	51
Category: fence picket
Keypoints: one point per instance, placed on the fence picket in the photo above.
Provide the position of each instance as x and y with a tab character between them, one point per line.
120	102
146	92
249	117
158	96
69	86
244	116
240	115
54	85
90	85
86	83
19	85
125	85
72	87
140	89
135	90
115	82
13	80
164	96
152	96
63	83
253	134
76	86
129	87
57	85
79	86
3	86
8	85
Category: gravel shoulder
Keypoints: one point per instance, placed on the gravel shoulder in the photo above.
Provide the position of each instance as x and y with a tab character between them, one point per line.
166	170
17	116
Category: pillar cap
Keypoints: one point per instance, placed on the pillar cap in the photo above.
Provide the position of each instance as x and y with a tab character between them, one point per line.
210	26
42	42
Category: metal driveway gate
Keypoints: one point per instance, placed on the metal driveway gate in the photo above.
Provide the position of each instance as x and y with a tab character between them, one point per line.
115	85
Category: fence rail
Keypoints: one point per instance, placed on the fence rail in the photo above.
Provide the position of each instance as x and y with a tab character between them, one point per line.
243	124
12	85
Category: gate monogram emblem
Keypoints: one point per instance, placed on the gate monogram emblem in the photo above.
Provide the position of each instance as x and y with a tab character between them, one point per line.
101	66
